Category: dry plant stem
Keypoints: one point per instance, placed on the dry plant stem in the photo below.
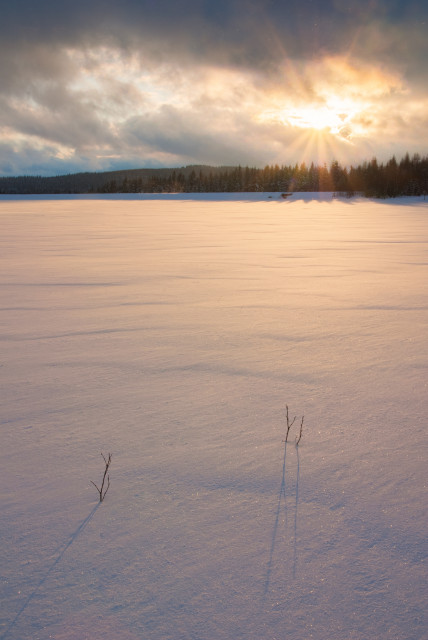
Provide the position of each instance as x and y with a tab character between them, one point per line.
301	431
289	424
101	490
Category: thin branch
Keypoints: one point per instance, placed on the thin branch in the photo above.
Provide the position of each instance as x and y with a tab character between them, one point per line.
301	431
108	485
96	487
101	490
289	424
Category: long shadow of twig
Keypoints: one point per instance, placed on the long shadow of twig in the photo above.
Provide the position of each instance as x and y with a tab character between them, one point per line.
73	537
296	507
282	494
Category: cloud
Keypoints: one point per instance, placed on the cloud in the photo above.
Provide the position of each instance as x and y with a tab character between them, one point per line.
104	84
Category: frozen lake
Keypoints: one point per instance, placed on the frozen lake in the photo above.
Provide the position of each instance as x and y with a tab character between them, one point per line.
172	333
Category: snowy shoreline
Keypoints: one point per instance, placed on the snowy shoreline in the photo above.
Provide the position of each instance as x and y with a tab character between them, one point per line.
305	196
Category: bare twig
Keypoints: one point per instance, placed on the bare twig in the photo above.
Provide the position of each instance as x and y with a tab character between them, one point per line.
289	424
101	490
299	437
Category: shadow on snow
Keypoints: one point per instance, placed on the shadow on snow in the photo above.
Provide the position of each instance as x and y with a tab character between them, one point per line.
282	497
73	537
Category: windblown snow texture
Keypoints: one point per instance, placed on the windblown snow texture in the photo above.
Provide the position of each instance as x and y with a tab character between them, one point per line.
172	333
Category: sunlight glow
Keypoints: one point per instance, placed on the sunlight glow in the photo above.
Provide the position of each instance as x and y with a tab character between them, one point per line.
317	118
335	103
334	116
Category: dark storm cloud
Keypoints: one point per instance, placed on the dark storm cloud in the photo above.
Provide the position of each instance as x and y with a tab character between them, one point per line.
235	31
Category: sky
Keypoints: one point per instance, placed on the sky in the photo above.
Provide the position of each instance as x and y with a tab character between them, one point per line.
94	85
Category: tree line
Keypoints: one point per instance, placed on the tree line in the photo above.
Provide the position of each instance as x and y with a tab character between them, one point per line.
92	182
409	176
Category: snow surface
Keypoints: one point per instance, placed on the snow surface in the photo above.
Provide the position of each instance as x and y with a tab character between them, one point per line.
172	331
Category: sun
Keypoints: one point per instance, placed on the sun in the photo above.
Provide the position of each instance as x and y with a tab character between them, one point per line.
316	118
334	116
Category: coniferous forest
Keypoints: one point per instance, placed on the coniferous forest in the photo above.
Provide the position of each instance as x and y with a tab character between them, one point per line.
407	177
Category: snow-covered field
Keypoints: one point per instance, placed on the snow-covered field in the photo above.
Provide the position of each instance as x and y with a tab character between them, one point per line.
172	333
